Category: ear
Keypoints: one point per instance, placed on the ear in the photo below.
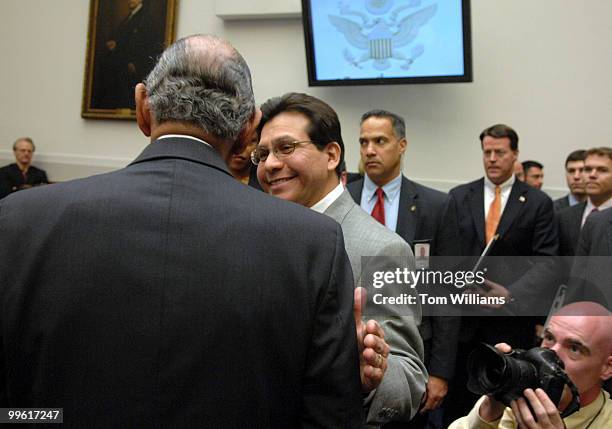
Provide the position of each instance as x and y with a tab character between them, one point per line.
606	370
403	143
333	151
248	132
143	113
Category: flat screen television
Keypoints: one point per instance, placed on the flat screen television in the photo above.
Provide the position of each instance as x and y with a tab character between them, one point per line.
373	42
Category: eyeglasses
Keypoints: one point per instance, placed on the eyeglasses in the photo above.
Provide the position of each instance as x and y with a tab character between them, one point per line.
280	150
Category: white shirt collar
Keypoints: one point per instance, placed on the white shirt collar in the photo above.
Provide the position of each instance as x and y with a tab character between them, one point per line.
329	199
182	136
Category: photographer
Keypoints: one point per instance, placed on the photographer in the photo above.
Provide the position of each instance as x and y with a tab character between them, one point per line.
581	335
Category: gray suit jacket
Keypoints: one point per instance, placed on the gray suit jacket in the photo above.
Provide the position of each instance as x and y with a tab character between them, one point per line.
399	395
425	214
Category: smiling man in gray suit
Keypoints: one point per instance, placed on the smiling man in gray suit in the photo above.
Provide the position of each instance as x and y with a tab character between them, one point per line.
298	157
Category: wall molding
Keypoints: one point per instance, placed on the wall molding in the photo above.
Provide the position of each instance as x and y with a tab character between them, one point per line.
62	166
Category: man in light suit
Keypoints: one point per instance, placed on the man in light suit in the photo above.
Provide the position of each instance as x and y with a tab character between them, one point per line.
133	299
415	212
299	156
522	217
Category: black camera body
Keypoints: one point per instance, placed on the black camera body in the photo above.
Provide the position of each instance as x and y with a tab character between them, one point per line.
506	376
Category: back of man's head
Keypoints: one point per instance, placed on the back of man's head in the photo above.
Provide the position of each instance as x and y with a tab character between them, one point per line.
202	80
324	124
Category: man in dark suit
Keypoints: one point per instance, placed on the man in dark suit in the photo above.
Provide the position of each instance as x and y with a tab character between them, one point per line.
415	213
591	272
598	185
574	164
131	54
522	217
21	174
168	294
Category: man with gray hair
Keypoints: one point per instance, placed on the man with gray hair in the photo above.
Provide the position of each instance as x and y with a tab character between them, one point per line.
168	294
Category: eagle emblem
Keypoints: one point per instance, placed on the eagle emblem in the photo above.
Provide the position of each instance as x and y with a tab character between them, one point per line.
381	38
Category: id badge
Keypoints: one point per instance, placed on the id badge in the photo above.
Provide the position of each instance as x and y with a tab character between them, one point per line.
421	254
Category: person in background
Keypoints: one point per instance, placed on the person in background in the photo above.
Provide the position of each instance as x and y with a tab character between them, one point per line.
241	166
534	173
21	174
416	213
519	172
574	166
581	336
522	218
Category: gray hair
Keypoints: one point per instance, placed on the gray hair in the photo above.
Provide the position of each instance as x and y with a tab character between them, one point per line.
204	81
397	122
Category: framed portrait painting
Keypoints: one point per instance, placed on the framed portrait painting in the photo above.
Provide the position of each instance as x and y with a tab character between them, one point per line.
125	38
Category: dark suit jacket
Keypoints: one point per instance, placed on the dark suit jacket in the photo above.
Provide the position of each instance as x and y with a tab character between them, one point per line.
12	180
422	211
526	228
561	203
592	270
570	220
168	294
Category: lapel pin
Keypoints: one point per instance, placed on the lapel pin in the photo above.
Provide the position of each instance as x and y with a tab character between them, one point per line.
522	199
413	208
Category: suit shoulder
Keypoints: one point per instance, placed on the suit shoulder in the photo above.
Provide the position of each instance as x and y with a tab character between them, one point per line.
430	193
370	231
465	187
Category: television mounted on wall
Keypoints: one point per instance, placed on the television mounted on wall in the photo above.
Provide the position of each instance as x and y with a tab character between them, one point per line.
374	42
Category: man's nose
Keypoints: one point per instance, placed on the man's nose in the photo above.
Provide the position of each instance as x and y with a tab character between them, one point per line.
369	149
272	162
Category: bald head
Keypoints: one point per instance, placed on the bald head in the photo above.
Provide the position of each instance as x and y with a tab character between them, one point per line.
202	80
594	320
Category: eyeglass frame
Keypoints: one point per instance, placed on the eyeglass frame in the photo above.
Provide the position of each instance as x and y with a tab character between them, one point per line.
276	150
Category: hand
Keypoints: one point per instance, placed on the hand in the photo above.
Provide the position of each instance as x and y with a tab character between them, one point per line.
437	388
491	289
491	409
111	45
373	350
546	414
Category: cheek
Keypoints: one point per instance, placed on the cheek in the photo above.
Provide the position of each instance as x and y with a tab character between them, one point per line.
261	175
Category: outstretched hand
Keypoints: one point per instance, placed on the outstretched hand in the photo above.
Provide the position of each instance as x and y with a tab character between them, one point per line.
373	349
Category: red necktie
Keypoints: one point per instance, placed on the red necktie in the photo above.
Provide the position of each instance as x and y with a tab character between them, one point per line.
378	212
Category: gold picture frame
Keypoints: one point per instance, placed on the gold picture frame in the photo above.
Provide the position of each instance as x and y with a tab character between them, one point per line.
124	39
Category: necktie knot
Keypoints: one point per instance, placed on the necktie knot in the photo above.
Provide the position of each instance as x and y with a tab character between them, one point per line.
381	194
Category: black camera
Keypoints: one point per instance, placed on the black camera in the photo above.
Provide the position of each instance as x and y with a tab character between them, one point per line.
506	376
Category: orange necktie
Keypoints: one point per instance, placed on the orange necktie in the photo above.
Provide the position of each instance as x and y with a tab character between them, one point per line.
494	215
378	212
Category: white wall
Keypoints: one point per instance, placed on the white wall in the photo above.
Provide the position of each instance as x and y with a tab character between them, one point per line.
540	66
